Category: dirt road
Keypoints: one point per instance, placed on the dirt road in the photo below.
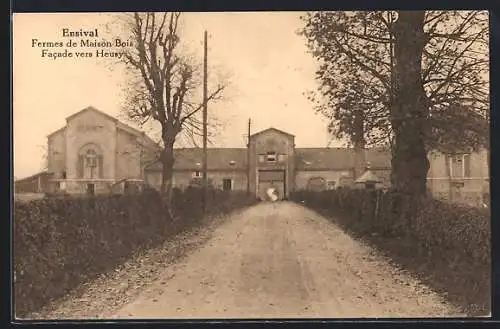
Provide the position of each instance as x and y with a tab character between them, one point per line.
273	260
283	260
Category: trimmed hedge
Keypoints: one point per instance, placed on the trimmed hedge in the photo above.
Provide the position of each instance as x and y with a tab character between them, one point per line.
58	243
450	240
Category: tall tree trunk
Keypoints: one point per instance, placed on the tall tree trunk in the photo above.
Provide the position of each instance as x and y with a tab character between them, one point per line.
410	110
359	144
167	160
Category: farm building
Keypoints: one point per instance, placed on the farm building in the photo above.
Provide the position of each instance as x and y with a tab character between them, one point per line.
94	150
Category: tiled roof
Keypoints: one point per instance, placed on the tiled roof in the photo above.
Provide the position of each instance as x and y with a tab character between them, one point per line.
324	158
338	158
271	129
306	159
379	158
217	159
42	173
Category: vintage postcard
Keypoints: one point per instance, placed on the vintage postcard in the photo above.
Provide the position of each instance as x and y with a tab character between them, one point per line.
251	165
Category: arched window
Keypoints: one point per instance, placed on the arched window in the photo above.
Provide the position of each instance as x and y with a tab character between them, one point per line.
90	162
91	158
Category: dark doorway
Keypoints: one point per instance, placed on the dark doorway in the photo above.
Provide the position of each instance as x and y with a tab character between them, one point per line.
370	186
227	184
90	189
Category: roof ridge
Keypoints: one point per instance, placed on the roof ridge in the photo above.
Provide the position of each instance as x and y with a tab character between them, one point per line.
271	128
210	148
323	148
111	117
34	175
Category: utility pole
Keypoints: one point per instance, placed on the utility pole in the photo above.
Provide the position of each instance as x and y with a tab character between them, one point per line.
205	105
248	156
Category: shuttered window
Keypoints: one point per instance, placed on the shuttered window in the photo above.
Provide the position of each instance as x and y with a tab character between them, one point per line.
227	184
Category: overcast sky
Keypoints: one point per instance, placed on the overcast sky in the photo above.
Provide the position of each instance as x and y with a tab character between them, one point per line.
267	61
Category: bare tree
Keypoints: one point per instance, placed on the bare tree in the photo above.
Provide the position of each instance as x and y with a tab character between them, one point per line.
164	84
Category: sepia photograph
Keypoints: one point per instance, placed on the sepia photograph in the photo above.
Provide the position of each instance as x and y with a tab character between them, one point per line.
251	165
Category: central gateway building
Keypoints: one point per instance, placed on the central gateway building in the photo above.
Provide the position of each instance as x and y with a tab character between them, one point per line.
272	160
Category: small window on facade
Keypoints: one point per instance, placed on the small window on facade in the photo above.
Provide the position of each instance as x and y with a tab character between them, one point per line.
271	156
63	174
227	184
197	173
